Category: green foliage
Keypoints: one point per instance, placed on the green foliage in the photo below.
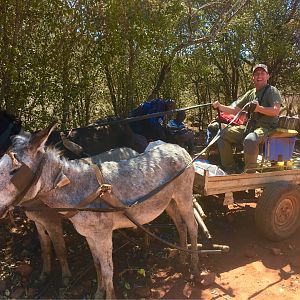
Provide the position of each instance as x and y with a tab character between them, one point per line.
78	61
141	272
127	286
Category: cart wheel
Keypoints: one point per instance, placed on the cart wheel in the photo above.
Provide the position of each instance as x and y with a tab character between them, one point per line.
277	213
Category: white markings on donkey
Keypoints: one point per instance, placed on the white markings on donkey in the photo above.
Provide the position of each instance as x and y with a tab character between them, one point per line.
130	179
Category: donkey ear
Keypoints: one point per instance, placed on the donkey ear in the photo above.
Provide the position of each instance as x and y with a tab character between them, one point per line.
38	140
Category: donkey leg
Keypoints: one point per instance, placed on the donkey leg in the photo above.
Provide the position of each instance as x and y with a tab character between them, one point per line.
50	227
187	214
46	250
54	228
100	289
172	211
104	253
184	200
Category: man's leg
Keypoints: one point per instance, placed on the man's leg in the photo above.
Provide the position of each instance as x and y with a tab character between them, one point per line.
251	148
231	136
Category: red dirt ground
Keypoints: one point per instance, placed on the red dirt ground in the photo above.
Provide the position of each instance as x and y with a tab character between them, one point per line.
255	268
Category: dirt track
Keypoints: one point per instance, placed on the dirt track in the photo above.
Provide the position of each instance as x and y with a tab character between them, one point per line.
254	268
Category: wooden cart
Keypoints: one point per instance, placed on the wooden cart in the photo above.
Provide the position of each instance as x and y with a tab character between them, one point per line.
277	213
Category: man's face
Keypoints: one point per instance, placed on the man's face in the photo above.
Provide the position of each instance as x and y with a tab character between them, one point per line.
260	78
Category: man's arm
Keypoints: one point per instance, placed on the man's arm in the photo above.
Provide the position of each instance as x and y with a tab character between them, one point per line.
240	102
274	104
225	108
268	111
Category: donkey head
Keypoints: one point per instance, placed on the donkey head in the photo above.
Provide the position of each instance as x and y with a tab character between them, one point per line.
18	167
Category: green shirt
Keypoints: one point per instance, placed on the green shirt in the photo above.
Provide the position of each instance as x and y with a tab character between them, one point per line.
270	98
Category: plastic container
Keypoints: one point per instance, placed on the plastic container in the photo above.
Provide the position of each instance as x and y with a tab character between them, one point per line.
279	149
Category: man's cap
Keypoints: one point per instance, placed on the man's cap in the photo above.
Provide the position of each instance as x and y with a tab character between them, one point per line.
262	66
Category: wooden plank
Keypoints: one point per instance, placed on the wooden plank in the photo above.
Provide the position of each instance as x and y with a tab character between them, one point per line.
214	185
206	177
199	184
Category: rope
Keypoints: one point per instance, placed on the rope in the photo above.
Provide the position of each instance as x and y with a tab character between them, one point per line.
108	198
221	131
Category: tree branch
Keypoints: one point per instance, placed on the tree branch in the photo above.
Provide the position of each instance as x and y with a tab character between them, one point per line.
225	16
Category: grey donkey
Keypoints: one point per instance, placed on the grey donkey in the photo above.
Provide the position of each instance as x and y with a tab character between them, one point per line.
130	179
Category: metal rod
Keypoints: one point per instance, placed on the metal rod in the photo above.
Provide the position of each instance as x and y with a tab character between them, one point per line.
222	248
210	251
143	117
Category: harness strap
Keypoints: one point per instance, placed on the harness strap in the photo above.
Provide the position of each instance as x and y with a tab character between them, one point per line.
12	156
98	173
104	188
112	201
32	181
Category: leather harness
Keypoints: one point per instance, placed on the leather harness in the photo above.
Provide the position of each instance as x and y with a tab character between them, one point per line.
24	179
104	192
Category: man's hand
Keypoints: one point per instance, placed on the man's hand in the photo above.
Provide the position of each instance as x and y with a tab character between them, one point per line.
216	105
253	106
224	108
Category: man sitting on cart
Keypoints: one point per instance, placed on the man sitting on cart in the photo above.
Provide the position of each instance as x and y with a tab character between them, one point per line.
264	109
179	134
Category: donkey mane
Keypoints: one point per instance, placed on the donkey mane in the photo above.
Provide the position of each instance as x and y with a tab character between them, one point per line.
21	141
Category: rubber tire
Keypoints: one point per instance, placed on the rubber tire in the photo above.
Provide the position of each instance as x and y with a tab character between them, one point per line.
279	196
